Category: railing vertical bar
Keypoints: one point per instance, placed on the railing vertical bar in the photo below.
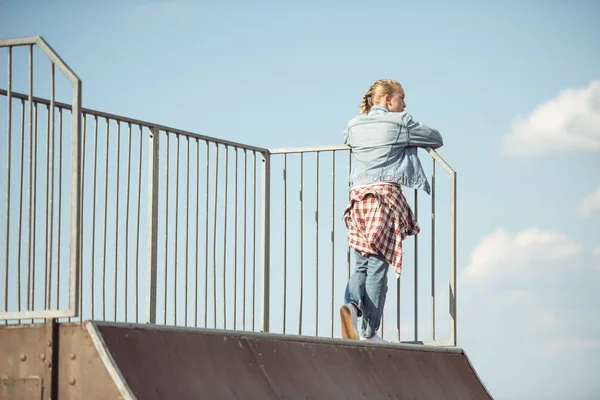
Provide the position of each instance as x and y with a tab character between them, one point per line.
81	198
50	188
34	202
138	222
225	180
332	238
127	206
398	292
187	230
206	237
398	304
94	180
348	199
317	246
301	243
21	206
265	241
166	269
254	241
416	286
59	218
197	231
244	239
235	235
152	249
47	266
453	316
107	147
214	249
30	186
433	249
176	232
117	200
284	240
76	184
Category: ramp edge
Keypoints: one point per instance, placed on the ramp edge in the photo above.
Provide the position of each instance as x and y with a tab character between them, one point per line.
286	337
477	375
108	361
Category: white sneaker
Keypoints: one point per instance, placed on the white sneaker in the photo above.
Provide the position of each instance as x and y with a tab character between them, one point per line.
375	338
349	321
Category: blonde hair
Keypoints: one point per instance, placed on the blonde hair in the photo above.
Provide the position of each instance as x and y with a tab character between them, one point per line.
377	90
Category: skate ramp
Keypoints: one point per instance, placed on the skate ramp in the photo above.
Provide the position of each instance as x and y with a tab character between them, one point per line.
155	362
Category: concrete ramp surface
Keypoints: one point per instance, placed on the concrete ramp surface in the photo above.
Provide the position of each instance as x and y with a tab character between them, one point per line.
156	362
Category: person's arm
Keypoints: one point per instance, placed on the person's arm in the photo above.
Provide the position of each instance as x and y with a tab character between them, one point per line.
421	135
347	136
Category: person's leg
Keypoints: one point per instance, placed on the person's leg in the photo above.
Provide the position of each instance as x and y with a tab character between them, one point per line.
375	294
355	289
353	298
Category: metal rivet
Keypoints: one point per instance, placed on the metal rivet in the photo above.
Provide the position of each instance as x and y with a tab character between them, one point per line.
43	357
49	343
72	381
23	357
72	356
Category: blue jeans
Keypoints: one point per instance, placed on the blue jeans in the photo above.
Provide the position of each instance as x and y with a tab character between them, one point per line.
367	289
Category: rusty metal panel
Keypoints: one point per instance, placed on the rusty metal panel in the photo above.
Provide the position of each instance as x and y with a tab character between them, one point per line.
81	373
21	388
161	362
24	354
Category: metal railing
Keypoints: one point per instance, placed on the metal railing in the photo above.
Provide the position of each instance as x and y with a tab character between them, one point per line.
182	182
20	232
311	243
208	214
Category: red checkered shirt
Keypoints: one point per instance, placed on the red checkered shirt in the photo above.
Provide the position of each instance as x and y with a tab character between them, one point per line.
378	219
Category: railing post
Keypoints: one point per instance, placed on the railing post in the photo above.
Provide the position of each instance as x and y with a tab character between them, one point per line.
433	249
75	240
265	240
452	289
153	165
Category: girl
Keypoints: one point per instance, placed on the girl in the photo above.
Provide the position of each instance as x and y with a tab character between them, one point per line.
384	141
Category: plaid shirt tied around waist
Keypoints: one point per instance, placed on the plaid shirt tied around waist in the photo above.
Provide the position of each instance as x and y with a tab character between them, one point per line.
378	219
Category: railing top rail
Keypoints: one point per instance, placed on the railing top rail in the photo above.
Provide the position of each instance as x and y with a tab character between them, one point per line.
133	121
336	147
311	149
22	41
440	160
47	49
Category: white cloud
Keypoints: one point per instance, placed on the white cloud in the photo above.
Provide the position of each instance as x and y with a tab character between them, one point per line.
500	256
568	122
590	205
533	296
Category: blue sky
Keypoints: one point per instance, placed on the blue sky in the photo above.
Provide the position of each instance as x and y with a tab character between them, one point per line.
512	86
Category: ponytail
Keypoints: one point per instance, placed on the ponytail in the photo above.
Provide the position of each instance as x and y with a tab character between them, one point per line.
367	103
377	89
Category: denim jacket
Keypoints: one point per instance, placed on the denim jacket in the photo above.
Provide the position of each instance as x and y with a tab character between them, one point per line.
384	147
